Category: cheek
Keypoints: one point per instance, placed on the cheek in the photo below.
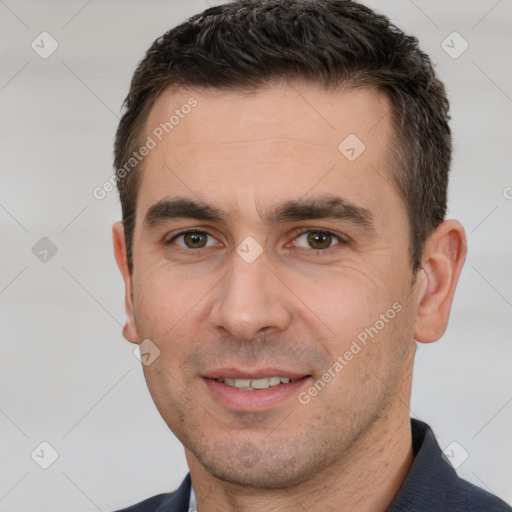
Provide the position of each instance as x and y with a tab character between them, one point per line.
162	300
173	313
346	303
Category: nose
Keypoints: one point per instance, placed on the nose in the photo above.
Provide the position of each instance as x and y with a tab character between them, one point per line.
251	300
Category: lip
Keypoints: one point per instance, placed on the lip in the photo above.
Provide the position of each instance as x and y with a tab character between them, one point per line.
260	400
262	373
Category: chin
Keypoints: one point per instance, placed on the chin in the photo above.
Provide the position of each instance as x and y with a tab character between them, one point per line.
261	477
248	465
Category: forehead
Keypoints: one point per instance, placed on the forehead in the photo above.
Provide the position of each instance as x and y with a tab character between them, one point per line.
306	113
240	148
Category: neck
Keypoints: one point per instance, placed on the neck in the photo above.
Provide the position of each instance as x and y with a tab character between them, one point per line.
367	478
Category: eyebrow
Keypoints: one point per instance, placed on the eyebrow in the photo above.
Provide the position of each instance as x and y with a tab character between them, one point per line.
331	207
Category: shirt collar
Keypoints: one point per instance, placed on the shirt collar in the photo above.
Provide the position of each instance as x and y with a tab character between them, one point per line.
192	503
431	484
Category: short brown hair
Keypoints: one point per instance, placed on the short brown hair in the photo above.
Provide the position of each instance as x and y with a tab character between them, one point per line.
247	44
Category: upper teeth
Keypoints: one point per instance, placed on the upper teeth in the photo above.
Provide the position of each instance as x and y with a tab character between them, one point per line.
252	384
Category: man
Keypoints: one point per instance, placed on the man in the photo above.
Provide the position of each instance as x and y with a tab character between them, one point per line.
283	169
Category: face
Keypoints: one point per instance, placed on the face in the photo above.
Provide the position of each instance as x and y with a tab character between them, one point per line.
271	252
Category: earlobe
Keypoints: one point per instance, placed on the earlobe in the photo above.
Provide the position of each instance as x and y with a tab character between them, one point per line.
129	329
443	259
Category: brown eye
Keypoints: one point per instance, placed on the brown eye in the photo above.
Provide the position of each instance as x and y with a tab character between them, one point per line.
195	240
319	239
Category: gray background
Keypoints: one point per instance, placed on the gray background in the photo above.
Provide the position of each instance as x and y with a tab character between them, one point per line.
67	376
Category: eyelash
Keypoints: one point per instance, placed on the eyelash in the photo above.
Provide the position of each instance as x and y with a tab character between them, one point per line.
296	234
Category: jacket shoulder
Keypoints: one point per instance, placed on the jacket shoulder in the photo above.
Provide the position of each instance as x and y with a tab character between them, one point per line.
176	501
479	500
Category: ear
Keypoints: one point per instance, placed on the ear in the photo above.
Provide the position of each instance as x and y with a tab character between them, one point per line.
129	330
443	258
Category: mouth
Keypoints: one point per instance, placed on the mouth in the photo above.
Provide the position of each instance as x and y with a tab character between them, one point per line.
255	384
255	390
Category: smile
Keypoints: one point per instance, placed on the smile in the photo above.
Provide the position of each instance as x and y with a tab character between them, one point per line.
255	384
256	390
